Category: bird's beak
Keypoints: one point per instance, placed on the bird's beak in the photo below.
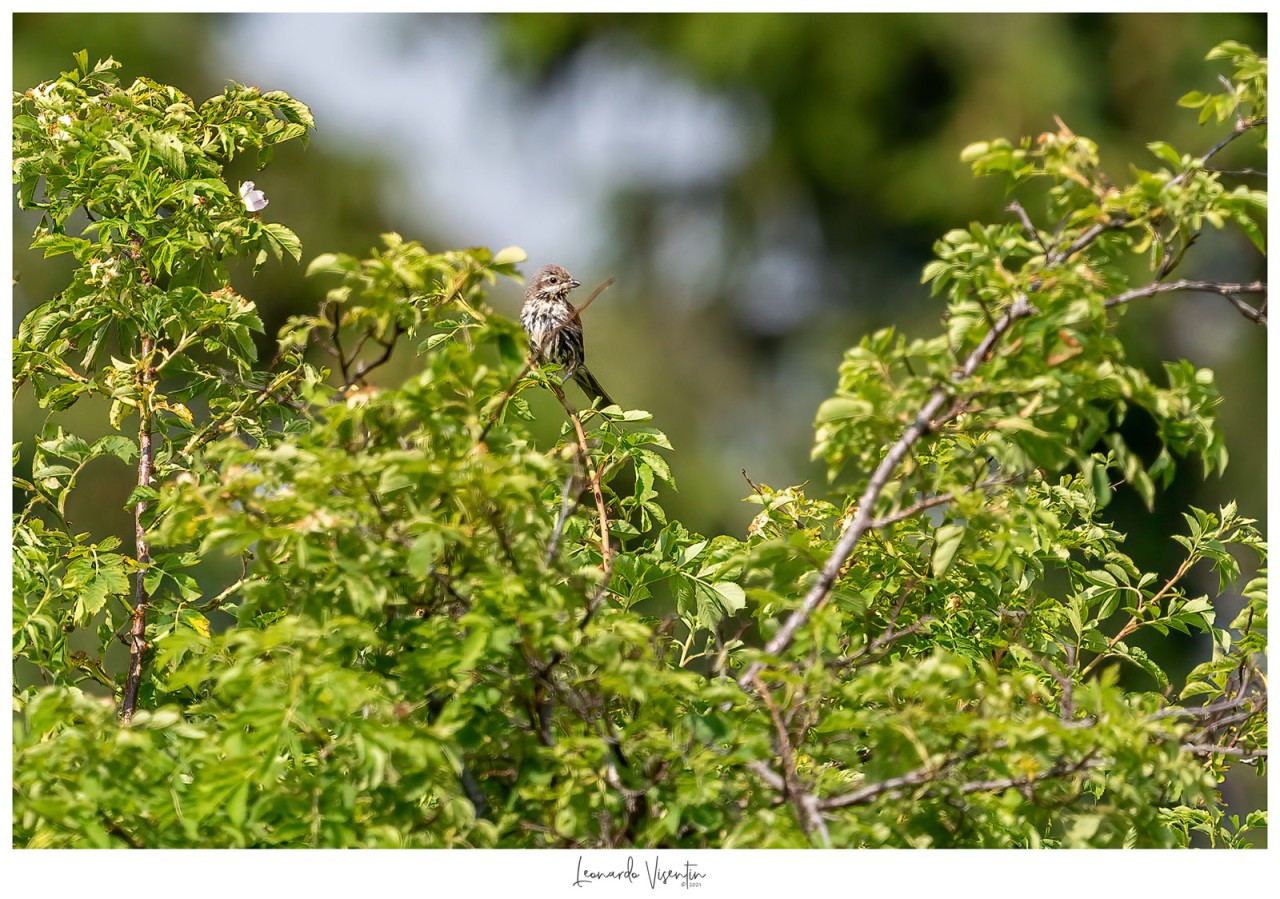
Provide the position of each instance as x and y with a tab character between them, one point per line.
573	282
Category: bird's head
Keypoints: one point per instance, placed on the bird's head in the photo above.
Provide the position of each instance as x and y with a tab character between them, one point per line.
551	282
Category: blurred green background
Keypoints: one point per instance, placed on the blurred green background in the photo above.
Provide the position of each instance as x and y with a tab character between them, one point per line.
765	188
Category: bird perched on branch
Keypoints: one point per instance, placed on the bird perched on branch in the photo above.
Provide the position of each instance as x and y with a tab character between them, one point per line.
554	332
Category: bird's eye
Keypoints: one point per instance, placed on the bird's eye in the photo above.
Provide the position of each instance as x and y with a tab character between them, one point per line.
552	279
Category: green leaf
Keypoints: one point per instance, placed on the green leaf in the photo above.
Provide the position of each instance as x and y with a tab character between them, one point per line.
510	256
946	541
141	494
732	596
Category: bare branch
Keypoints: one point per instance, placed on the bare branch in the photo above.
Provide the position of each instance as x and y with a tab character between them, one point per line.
924	774
568	505
1061	769
1242	126
1208	749
1016	208
1246	172
769	776
388	347
343	362
1227	290
1084	240
940	499
593	479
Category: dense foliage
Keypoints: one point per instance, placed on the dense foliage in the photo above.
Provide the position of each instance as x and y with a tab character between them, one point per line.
440	632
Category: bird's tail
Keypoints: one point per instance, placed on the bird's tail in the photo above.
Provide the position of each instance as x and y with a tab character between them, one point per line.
591	387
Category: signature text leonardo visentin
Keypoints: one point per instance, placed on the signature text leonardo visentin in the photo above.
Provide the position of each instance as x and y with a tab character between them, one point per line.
655	874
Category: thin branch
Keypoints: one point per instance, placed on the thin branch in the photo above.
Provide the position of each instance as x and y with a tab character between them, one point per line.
1057	258
113	828
1203	711
1061	769
1207	749
924	774
142	545
1016	208
343	362
568	506
1242	126
1227	290
388	347
806	809
593	480
1135	620
213	429
768	775
1247	172
940	499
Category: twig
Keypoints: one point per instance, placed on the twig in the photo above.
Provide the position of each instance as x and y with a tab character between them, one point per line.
1212	749
871	792
1134	621
1058	257
1259	173
142	545
768	775
940	499
593	479
212	429
343	363
1227	290
567	508
114	828
1061	769
1016	208
388	347
1242	125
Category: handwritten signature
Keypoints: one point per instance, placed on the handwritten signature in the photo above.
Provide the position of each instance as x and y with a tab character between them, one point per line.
655	874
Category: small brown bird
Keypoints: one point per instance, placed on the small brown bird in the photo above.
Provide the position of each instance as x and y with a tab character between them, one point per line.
546	308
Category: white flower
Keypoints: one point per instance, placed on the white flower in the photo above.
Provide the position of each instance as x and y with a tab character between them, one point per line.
58	131
254	200
103	272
